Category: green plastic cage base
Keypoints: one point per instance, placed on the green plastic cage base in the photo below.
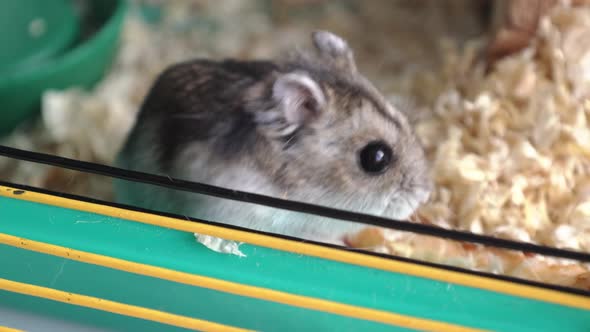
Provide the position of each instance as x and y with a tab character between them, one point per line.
119	255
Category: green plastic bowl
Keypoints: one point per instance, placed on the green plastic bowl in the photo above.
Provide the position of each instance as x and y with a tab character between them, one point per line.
35	30
82	65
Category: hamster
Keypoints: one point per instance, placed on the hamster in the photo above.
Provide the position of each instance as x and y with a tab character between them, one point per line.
307	128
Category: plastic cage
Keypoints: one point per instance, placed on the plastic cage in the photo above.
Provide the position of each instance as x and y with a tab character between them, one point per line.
128	269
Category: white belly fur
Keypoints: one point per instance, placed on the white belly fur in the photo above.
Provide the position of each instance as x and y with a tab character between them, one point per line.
251	216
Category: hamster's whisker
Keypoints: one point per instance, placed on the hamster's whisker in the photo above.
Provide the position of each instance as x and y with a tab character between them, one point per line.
288	141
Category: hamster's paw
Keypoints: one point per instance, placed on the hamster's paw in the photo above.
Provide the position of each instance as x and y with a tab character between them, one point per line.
220	245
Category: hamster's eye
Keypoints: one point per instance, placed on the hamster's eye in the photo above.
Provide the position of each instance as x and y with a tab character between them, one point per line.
375	157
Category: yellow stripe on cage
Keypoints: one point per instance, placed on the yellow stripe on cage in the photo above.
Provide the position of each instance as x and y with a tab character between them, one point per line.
115	307
234	288
433	273
8	329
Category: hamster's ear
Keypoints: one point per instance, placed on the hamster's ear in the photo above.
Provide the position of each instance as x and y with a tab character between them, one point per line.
299	100
334	49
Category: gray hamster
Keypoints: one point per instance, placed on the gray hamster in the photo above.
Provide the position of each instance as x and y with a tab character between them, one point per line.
307	128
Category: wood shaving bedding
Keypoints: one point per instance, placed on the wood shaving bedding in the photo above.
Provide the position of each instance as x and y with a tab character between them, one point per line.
518	142
474	257
510	150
